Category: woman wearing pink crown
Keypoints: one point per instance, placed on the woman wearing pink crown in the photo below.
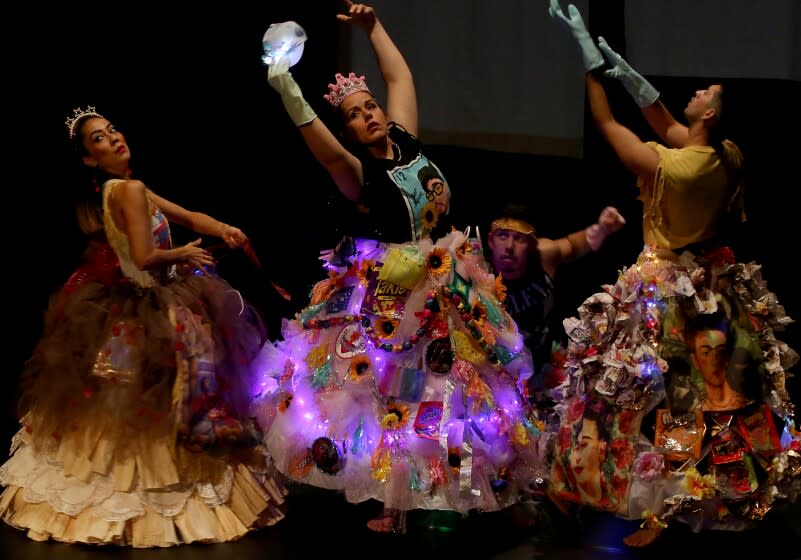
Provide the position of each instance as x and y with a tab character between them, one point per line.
135	405
401	380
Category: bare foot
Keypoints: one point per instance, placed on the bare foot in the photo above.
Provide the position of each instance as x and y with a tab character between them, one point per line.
642	537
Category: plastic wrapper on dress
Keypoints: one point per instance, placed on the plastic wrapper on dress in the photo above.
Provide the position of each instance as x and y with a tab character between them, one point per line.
695	334
407	365
135	427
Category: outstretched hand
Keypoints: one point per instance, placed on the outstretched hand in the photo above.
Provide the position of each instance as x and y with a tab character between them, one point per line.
638	87
575	23
619	66
234	237
611	219
359	15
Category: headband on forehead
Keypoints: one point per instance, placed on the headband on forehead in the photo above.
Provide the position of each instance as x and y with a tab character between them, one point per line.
513	224
78	115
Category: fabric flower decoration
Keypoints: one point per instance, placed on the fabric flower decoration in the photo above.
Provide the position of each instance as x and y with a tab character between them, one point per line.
360	367
500	288
439	261
649	466
396	416
385	327
429	216
698	485
652	521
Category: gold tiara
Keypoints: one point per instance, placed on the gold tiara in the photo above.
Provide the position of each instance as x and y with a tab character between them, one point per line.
78	115
513	224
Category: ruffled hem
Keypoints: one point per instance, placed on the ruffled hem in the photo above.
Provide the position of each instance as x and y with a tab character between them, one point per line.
714	464
49	504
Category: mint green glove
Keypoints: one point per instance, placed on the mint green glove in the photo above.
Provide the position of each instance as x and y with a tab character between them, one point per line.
638	87
589	52
282	81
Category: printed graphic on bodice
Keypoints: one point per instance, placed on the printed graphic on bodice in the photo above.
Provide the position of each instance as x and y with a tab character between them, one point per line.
425	192
161	229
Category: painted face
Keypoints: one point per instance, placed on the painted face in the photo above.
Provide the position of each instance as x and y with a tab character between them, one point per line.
702	101
365	121
587	455
711	356
510	251
105	146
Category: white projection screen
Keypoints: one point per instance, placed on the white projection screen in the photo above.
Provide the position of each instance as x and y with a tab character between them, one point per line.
501	75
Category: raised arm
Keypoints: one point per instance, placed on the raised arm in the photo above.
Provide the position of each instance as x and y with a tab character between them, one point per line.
646	96
637	156
401	95
344	168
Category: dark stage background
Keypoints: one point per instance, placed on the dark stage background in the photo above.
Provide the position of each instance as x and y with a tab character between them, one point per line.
206	131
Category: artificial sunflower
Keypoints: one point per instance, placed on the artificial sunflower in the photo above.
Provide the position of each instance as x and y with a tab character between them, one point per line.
500	288
385	327
429	216
396	416
360	367
439	261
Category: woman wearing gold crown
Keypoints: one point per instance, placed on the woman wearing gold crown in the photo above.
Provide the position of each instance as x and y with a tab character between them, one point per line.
401	381
135	410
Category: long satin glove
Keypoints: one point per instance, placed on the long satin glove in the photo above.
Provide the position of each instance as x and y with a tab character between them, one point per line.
589	52
639	88
282	81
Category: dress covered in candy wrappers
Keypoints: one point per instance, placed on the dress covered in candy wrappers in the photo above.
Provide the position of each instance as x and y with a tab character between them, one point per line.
135	406
402	380
687	337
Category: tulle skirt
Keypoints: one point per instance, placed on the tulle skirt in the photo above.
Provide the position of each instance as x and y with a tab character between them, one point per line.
135	422
403	381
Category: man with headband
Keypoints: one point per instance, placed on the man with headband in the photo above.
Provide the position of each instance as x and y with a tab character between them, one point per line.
528	264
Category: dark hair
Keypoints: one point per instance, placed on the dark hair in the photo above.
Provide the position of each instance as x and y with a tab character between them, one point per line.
729	154
707	322
516	210
427	173
597	410
89	192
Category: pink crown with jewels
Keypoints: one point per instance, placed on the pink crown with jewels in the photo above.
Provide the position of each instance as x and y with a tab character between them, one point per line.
79	114
344	87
